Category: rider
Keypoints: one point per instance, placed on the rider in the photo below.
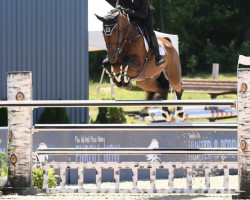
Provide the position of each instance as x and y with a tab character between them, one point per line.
142	11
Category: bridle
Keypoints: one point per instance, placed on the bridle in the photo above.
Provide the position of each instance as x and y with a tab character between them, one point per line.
108	30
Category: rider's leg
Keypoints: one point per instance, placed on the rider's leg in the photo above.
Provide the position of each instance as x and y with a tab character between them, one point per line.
159	60
155	46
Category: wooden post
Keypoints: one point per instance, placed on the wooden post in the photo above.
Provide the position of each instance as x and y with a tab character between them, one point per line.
215	72
112	91
20	121
215	75
244	130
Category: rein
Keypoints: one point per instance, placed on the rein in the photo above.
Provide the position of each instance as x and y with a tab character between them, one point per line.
131	40
141	75
124	40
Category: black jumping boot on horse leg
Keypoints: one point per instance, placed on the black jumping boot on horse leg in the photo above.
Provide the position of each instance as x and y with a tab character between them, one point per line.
106	63
159	60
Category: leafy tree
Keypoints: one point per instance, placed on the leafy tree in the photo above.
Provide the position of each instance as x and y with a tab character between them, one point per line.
209	31
218	27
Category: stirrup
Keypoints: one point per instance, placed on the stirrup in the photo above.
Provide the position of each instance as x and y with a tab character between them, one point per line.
160	62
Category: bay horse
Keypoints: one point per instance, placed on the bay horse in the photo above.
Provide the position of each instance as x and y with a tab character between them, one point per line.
129	60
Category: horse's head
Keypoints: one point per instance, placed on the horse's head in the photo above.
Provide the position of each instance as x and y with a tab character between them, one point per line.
115	27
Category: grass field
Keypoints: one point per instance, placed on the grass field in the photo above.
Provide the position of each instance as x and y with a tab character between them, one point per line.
136	94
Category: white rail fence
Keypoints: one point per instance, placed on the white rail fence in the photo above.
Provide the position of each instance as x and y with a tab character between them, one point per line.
169	187
20	137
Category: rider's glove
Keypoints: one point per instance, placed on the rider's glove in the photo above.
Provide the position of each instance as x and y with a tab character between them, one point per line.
119	8
129	11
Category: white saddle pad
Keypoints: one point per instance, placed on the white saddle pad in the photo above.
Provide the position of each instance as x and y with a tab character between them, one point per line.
161	49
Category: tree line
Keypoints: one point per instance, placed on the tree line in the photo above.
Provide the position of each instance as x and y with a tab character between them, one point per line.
209	32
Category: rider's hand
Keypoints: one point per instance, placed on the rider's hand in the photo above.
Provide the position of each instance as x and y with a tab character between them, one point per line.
119	8
129	11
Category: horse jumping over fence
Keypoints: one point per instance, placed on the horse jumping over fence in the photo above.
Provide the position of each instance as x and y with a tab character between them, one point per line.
129	59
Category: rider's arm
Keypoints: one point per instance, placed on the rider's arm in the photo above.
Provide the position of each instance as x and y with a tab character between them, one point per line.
119	4
143	11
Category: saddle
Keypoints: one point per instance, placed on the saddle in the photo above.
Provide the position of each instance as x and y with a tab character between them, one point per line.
147	41
143	30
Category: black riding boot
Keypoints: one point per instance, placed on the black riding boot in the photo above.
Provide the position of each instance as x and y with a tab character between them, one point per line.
159	60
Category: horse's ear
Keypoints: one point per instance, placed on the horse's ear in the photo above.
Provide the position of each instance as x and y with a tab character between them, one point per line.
100	18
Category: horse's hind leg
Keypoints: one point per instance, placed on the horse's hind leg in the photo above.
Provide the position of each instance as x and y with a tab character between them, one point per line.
166	112
180	113
157	89
173	74
163	85
177	86
149	96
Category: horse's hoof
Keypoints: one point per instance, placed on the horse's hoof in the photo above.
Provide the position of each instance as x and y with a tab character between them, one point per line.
129	86
117	83
181	116
145	110
171	119
168	117
186	117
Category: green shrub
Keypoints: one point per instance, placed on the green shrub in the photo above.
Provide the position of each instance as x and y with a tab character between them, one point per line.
3	117
52	178
3	167
102	116
38	178
54	116
110	116
4	171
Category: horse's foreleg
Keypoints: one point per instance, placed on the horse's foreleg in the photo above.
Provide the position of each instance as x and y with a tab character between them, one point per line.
111	72
125	79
